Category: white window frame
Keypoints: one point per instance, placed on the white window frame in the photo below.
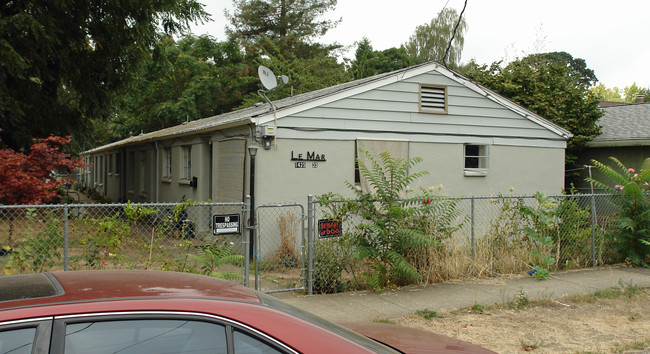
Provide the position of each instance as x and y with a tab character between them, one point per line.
476	164
186	172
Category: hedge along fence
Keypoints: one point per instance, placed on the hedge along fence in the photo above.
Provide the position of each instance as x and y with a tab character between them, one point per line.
159	236
475	237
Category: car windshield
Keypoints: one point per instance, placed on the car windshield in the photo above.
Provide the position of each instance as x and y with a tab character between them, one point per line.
318	321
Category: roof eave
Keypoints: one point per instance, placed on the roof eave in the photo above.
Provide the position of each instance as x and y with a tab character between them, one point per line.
619	143
156	136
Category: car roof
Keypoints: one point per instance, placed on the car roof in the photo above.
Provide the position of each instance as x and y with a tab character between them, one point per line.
74	286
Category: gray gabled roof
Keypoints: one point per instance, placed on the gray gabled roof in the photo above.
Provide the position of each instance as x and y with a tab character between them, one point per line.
247	115
242	116
624	125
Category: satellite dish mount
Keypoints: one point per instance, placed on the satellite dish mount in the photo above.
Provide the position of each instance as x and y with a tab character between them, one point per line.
270	82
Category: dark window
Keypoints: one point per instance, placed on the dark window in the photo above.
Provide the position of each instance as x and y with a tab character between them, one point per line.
476	156
245	344
357	174
17	341
145	336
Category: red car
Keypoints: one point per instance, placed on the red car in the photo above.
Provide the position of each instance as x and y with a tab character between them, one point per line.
166	312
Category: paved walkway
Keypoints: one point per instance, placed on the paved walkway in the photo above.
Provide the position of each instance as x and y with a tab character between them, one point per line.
368	305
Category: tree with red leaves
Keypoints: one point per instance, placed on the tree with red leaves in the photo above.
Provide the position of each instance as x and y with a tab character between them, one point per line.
29	179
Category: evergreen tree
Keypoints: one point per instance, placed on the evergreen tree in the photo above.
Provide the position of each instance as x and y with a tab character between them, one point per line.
292	25
62	63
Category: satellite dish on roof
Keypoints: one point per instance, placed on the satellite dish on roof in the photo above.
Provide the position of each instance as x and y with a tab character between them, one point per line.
267	77
269	80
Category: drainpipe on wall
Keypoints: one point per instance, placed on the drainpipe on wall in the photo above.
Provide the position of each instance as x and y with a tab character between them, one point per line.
157	180
210	171
105	177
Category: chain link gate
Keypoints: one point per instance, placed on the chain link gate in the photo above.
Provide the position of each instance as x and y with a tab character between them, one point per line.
279	257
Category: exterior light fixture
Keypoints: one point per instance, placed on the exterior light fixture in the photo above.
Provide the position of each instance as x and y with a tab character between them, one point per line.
252	151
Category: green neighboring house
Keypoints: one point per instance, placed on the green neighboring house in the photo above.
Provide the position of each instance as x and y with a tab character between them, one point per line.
625	136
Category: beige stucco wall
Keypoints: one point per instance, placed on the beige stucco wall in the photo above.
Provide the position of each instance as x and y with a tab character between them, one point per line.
278	179
525	169
176	188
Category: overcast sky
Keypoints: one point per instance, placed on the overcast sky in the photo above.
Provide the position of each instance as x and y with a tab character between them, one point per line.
612	36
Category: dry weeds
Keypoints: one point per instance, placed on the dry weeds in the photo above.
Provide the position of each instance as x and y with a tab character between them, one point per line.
579	324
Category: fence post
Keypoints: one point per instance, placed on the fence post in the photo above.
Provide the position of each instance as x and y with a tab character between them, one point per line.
65	237
472	229
246	241
310	244
594	223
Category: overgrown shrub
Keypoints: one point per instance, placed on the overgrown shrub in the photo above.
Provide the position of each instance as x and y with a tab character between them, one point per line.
40	252
212	257
328	267
631	231
392	229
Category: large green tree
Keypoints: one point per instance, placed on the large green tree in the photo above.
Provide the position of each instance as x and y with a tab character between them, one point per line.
627	95
368	62
430	40
553	85
188	79
305	74
62	62
282	35
292	25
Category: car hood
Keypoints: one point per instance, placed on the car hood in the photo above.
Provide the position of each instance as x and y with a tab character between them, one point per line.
410	340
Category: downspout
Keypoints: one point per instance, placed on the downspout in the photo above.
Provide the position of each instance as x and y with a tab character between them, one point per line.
123	175
105	170
157	180
210	180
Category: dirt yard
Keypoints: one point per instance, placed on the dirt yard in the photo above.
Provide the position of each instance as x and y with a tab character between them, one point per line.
613	321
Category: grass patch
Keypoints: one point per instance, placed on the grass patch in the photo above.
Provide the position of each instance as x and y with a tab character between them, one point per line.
520	302
383	320
476	309
428	314
640	345
529	346
625	290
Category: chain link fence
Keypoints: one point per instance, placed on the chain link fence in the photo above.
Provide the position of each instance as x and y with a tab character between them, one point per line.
175	237
473	237
477	237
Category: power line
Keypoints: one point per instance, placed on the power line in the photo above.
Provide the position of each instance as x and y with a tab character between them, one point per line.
460	18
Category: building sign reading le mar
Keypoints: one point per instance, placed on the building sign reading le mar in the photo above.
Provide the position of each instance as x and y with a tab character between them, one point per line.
329	228
225	224
301	159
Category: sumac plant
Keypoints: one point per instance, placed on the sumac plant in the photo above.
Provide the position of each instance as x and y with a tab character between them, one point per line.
631	232
385	235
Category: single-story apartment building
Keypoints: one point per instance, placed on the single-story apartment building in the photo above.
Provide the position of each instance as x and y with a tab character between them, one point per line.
472	142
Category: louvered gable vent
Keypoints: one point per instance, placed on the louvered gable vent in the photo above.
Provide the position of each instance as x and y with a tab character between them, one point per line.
433	99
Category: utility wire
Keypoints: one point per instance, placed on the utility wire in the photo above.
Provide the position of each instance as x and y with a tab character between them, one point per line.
444	59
